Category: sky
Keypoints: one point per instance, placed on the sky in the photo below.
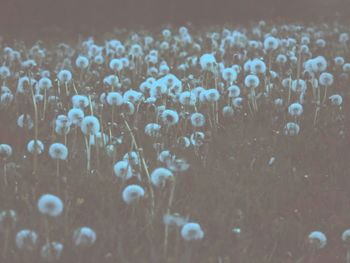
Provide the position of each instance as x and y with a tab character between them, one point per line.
97	14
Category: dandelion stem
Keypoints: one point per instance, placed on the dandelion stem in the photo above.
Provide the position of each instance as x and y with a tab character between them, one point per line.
170	202
6	243
88	153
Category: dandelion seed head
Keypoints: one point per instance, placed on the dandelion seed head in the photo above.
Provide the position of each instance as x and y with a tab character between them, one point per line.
50	205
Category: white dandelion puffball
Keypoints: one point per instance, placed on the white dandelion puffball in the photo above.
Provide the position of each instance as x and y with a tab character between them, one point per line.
64	76
52	251
82	62
197	138
291	129
35	147
8	219
234	91
271	43
317	239
227	111
45	84
133	193
116	64
174	220
336	99
25	121
251	81
50	205
298	85
207	62
160	175
169	117
114	98
76	116
26	240
123	170
326	79
229	75
153	130
346	236
192	231
197	119
80	101
5	150
212	95
58	151
90	125
295	109
132	158
84	237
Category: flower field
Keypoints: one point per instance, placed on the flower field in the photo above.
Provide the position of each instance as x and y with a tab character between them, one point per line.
219	144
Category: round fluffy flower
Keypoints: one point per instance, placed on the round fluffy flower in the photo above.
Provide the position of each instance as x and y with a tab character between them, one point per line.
45	84
291	129
26	240
25	121
133	193
64	76
229	75
326	79
251	81
346	236
234	91
51	252
187	98
76	116
339	61
122	169
132	158
6	99
35	147
298	85
192	231
317	239
336	99
164	156
114	98
153	129
82	62
90	125
237	102
197	138
111	80
160	175
207	62
50	205
174	220
227	111
84	237
212	95
8	220
116	64
5	150
58	151
132	96
319	64
169	117
257	66
271	43
197	119
80	101
4	72
295	109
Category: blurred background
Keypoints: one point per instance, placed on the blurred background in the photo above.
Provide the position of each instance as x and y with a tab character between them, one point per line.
95	15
